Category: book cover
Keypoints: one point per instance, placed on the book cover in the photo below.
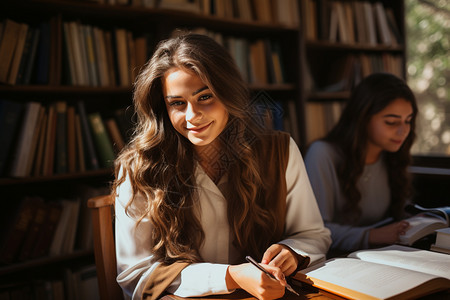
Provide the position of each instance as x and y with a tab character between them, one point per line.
18	229
34	148
25	55
30	64
425	222
382	24
70	67
110	56
56	52
23	150
90	55
31	237
43	54
101	139
121	46
56	245
81	161
68	243
88	140
45	235
442	243
101	57
71	140
39	157
49	148
10	113
7	47
18	53
61	137
393	272
114	134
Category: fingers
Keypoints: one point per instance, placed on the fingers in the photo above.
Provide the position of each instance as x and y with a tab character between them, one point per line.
270	253
277	273
402	227
280	256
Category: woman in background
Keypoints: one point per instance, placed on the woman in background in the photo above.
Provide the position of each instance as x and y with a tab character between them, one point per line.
202	184
359	170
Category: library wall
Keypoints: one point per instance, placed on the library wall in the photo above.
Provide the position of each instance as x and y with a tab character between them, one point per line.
66	74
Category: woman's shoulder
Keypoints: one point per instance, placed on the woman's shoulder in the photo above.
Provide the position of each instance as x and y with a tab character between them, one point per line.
321	149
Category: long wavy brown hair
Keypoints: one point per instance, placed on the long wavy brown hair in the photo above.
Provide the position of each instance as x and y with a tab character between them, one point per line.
349	136
160	163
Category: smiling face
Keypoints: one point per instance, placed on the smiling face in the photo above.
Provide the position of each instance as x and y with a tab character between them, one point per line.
388	129
193	109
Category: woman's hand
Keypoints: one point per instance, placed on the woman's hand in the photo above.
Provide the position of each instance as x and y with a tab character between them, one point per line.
388	234
282	257
254	281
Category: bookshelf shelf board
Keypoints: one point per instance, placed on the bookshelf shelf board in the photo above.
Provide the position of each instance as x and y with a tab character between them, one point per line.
59	177
45	261
64	90
109	12
273	87
328	95
327	46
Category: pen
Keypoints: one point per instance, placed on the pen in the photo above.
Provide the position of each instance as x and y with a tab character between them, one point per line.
253	262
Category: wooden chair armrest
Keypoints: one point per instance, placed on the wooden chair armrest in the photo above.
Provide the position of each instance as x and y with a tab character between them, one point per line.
100	201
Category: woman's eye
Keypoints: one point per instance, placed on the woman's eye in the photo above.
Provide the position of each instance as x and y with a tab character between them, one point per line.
205	97
176	103
391	123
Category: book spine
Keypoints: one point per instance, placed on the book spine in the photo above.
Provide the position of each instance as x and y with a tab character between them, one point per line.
10	113
61	137
101	138
87	137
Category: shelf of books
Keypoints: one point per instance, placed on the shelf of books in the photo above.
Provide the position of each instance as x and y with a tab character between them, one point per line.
66	73
344	41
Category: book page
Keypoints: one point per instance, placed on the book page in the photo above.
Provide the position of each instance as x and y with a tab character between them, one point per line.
379	281
409	258
420	226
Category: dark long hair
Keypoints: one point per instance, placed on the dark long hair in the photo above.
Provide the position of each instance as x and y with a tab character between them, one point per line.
349	135
161	163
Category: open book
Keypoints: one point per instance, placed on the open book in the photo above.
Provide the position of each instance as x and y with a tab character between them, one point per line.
425	222
393	272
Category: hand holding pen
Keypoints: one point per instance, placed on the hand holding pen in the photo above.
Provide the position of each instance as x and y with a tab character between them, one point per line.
256	264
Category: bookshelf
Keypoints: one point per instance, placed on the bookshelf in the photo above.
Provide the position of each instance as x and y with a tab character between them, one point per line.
344	41
77	46
295	32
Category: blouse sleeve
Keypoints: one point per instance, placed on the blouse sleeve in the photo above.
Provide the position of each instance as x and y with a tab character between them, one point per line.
320	163
135	259
305	230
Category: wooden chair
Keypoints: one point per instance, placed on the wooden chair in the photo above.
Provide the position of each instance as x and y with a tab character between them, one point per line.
104	247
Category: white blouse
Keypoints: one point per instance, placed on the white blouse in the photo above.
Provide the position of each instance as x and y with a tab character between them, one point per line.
304	230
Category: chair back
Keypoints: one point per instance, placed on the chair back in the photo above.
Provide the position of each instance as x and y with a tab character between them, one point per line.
104	246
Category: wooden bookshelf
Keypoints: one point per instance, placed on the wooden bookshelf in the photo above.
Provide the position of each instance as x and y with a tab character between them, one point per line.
61	84
337	52
307	61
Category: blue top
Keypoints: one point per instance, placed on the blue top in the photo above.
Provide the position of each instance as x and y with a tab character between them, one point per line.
321	161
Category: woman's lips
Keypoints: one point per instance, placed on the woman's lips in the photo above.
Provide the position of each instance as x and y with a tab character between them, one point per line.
199	129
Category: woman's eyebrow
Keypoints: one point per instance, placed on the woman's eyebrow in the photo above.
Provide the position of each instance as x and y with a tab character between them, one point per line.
199	90
395	116
193	94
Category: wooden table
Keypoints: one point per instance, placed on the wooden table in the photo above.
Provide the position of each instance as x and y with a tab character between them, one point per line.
306	292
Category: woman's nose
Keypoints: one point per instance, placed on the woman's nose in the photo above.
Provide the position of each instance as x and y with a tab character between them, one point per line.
403	129
192	113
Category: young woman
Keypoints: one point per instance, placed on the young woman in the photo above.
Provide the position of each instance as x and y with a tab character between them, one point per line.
202	184
359	170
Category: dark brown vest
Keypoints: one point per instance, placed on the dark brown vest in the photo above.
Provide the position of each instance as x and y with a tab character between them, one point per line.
272	152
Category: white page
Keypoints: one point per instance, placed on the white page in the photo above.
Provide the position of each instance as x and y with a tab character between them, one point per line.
377	280
408	258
